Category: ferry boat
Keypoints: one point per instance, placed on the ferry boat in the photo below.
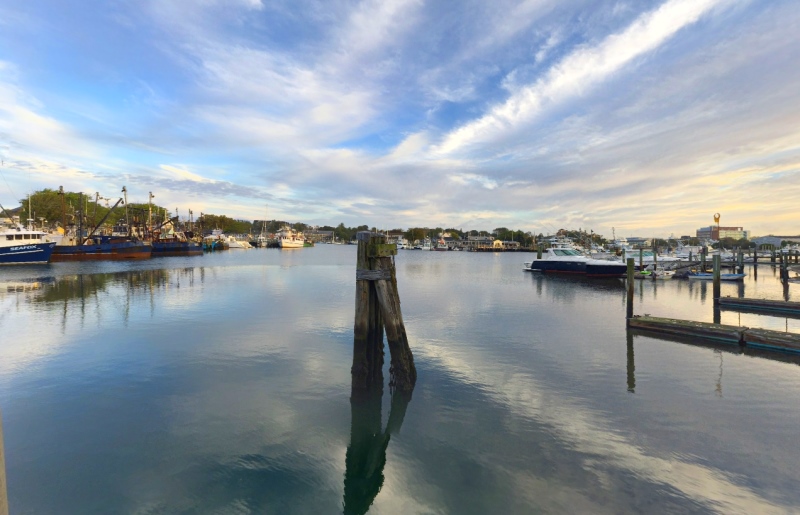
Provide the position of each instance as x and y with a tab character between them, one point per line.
288	238
21	246
562	260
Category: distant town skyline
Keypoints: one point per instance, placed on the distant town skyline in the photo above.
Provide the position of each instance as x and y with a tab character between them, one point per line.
538	115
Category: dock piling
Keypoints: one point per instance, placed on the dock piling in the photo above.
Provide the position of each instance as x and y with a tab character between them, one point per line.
3	491
629	312
378	310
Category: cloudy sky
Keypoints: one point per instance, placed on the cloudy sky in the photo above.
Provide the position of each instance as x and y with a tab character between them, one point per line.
644	115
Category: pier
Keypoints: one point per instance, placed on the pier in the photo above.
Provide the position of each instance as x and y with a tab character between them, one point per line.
720	333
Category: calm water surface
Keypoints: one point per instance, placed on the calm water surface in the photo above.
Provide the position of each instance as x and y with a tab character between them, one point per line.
221	384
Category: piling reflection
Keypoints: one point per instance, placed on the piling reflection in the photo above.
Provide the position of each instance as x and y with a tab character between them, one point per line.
631	363
366	454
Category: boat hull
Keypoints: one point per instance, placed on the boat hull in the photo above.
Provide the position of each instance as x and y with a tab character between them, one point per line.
27	254
722	277
176	248
286	244
594	270
103	251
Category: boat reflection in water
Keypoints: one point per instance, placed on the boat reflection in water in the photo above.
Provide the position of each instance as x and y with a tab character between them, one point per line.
366	454
81	291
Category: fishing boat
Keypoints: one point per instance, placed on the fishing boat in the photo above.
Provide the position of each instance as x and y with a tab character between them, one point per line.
288	238
562	260
101	247
710	277
167	241
21	246
25	247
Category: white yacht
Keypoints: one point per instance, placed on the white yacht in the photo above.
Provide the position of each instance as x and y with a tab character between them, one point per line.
288	238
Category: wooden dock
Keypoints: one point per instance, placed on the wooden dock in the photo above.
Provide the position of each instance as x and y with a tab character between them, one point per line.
730	334
727	334
764	306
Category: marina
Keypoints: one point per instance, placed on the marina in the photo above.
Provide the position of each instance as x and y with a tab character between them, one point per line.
124	389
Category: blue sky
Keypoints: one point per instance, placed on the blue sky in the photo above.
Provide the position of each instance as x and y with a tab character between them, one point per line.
646	116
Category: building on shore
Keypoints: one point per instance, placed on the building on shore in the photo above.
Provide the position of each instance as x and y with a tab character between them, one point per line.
714	232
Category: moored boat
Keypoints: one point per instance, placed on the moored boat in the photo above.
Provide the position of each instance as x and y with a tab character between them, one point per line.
25	247
103	248
570	261
288	238
710	277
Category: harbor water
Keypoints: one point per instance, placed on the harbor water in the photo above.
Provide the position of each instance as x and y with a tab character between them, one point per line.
221	384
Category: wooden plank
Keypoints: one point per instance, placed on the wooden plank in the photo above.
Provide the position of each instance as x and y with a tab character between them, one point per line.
717	332
777	306
773	340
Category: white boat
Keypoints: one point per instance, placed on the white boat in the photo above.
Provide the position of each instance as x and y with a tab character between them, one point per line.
234	243
22	246
288	238
562	260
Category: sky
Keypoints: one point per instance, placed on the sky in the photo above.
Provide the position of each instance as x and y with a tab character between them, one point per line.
635	117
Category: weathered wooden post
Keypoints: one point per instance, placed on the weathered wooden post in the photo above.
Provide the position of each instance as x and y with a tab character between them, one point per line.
629	312
378	309
703	252
631	363
717	264
641	259
3	491
538	251
655	259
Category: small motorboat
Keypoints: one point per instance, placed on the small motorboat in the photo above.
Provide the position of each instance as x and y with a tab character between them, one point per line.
710	277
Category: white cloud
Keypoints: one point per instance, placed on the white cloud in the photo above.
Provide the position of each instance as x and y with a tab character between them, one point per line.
579	71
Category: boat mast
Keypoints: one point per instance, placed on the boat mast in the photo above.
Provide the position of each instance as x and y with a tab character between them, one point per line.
150	211
127	218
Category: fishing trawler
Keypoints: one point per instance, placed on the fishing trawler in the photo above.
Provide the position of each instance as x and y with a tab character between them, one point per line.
24	246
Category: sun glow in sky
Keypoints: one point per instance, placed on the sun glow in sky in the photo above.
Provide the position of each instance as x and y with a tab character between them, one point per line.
646	116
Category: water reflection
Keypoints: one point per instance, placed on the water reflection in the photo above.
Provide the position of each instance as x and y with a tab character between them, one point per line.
366	454
716	347
631	363
81	294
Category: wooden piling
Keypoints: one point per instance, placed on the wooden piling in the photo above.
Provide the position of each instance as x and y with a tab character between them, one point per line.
539	251
378	309
641	259
3	491
629	312
717	263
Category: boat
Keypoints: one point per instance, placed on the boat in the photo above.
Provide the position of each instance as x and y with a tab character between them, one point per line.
236	243
100	247
654	275
175	244
710	277
22	246
166	241
288	238
441	246
562	260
